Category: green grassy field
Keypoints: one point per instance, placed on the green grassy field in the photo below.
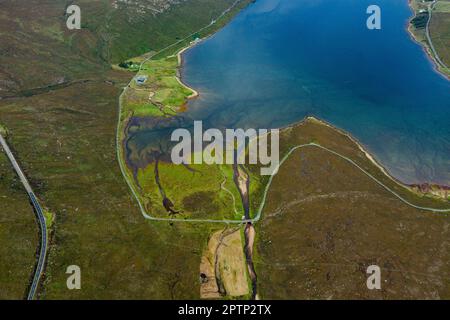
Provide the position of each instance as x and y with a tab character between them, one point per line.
64	137
316	241
62	130
440	31
443	6
3	130
97	225
207	192
313	130
161	95
18	234
204	192
38	49
439	28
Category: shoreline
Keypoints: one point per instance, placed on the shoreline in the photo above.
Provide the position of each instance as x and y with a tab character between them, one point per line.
181	60
192	44
413	187
440	69
122	120
195	93
409	187
179	55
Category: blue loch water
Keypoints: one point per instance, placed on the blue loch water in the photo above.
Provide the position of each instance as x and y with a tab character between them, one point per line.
281	60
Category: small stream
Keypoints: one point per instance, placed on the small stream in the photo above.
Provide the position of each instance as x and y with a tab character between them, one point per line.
242	180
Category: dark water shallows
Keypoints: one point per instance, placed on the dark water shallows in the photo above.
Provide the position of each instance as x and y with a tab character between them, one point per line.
281	60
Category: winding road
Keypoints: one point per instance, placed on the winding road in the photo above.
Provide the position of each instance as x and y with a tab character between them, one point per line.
315	145
40	215
427	33
120	156
263	202
131	186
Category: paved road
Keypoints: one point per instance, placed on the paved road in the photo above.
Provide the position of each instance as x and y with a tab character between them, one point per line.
427	32
120	156
40	214
259	213
260	210
315	145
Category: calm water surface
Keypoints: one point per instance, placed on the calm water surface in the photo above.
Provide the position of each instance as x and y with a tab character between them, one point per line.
281	60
